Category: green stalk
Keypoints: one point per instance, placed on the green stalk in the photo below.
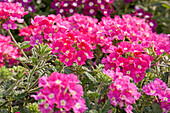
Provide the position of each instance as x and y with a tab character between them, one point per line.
98	91
8	90
17	44
143	106
32	73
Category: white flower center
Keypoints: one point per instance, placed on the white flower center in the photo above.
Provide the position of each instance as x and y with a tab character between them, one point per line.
151	24
91	4
51	96
91	11
71	10
30	8
63	102
61	10
78	105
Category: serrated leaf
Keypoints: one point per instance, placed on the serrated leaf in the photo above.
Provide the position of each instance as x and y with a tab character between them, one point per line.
106	107
90	77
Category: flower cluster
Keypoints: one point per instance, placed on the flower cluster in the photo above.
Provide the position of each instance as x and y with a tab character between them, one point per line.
130	54
92	6
74	38
147	16
130	59
122	92
71	39
160	89
60	91
9	13
23	3
8	53
66	6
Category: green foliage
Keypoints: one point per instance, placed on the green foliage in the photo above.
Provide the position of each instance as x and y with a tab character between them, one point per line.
33	108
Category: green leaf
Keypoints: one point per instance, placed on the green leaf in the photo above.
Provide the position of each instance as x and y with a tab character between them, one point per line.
25	44
106	107
90	77
35	90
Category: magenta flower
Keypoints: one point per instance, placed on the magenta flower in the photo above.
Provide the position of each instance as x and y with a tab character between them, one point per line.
8	53
80	57
62	91
9	25
35	40
122	92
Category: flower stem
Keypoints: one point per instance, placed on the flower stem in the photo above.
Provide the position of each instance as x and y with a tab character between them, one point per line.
17	44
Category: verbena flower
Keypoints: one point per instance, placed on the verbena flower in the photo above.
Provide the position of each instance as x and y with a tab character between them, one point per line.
122	92
8	53
60	91
11	12
160	89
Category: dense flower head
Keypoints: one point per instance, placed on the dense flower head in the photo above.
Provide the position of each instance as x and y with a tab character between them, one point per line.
8	53
11	12
92	6
23	3
130	58
64	7
160	89
71	39
122	92
147	16
61	91
135	39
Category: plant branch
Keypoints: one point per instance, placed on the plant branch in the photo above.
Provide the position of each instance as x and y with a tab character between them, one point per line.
17	44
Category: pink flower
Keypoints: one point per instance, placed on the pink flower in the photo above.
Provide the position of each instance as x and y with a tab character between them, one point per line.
35	40
8	53
122	92
62	91
9	25
80	57
45	107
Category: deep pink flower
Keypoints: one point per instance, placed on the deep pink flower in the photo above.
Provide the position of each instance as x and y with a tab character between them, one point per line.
35	40
62	91
9	25
80	57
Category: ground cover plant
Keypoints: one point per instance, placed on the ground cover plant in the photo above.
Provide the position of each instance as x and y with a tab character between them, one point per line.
84	56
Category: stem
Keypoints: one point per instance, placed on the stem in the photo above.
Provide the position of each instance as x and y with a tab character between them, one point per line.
25	24
32	73
98	91
136	108
141	83
8	90
17	44
143	106
126	7
157	72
